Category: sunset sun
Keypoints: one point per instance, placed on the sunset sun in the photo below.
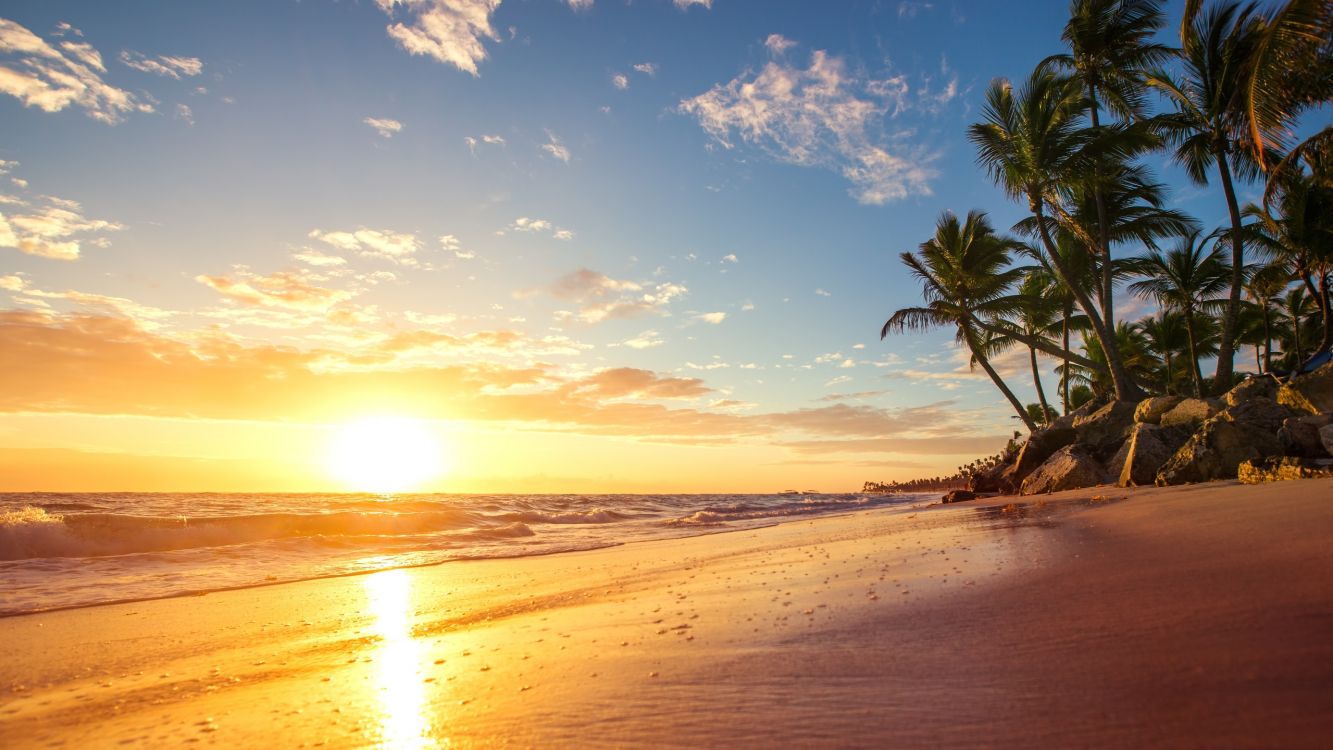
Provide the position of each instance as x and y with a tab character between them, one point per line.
385	455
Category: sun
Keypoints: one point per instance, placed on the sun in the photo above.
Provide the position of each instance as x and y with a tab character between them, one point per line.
385	455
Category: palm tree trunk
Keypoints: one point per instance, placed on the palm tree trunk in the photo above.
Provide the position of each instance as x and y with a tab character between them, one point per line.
1327	311
1104	234
995	378
1268	340
1166	354
1041	393
1227	349
1040	344
1194	354
1125	388
1064	373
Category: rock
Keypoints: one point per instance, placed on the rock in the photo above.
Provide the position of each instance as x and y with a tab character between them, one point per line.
1326	437
1283	469
1149	447
1216	450
1067	421
1039	447
992	479
1104	430
1260	413
1116	464
1300	436
1263	386
1191	412
958	496
1311	393
1070	468
1150	410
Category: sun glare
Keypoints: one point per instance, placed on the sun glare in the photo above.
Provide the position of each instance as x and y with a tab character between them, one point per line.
385	455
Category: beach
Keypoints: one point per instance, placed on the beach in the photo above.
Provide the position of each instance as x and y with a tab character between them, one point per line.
1194	616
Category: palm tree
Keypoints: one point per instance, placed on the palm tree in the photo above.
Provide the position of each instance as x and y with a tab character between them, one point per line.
1032	145
1036	317
1217	49
1263	288
1186	278
966	278
1165	333
1110	52
1294	309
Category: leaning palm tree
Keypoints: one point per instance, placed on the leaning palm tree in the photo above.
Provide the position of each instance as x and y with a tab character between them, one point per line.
966	278
1035	317
1207	129
1188	277
1032	145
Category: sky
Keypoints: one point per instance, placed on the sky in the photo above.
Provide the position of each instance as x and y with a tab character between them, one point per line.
590	245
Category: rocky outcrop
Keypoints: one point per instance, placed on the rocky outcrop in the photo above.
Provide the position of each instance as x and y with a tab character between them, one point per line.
1071	467
958	496
1283	469
1067	421
1255	386
1261	414
1326	437
1191	412
1311	393
1150	410
991	480
1216	451
1039	447
1149	447
1104	430
1300	436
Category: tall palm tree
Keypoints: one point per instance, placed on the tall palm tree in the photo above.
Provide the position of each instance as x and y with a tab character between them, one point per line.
1032	145
1036	317
1263	288
966	277
1188	277
1111	49
1217	50
1165	333
1294	309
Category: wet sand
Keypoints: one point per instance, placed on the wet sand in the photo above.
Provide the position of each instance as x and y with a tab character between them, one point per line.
1196	616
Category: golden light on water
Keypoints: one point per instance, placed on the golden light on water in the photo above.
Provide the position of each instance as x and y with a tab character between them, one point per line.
399	661
386	455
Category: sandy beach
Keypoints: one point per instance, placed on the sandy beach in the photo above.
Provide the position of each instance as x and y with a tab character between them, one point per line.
1194	616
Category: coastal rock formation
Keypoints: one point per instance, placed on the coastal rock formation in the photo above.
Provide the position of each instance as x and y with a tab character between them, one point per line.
1104	430
1255	386
1326	437
1261	414
1039	447
1150	410
958	496
1071	467
1311	393
1300	436
1149	447
1216	451
1067	421
1284	468
1191	412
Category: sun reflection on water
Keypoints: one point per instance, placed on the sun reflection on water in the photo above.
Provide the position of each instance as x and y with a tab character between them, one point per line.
398	661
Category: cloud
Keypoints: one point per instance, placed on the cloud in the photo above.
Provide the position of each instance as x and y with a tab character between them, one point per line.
820	116
601	297
398	247
909	9
683	4
778	44
555	148
44	77
185	114
490	140
730	258
448	31
645	340
647	68
580	4
162	65
384	126
295	290
714	318
542	226
629	382
620	81
823	293
313	257
52	228
450	244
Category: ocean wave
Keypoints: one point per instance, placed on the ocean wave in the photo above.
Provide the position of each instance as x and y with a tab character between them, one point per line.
594	515
718	515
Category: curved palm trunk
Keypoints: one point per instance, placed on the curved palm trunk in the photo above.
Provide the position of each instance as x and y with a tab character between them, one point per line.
1040	345
1193	352
1104	235
1327	311
999	383
1268	340
1041	393
1227	350
1064	373
1125	388
1166	354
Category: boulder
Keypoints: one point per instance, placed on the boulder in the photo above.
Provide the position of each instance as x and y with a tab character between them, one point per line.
1149	447
1191	412
1067	421
1116	464
1300	436
1039	447
1260	413
1262	386
1311	393
1283	469
991	480
958	496
1326	437
1070	468
1216	450
1104	430
1150	410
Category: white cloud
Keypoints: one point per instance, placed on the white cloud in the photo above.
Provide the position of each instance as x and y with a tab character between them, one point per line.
555	148
601	297
184	113
730	258
645	340
490	140
777	43
398	247
683	4
449	31
820	116
910	9
542	226
580	4
314	257
162	65
647	68
41	76
714	318
620	81
52	228
450	244
386	127
823	293
293	290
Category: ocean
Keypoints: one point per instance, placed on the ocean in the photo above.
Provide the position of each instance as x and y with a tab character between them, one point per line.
60	550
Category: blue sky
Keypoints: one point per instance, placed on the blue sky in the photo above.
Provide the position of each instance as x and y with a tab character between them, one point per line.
706	199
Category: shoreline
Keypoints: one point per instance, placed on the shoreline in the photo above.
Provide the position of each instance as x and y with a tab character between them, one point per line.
1158	616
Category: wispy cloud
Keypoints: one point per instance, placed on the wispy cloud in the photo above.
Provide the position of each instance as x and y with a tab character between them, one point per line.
778	44
398	247
51	227
714	318
601	297
51	79
450	244
297	290
555	148
449	31
540	226
620	81
163	65
647	68
820	116
910	9
489	140
386	127
683	4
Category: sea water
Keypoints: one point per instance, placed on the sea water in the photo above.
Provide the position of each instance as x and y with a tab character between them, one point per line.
62	550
